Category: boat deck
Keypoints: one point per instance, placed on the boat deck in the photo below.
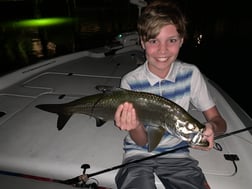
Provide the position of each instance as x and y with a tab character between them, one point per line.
31	144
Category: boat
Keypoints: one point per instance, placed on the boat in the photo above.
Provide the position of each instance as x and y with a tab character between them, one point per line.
35	154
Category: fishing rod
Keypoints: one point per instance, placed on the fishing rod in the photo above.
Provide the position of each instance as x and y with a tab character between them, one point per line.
84	177
80	181
233	133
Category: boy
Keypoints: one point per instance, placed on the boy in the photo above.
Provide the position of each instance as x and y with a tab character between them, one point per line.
162	29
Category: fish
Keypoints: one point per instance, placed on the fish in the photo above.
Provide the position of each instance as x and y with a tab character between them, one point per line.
159	113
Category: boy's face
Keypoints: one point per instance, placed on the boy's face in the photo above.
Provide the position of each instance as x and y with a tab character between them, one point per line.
163	50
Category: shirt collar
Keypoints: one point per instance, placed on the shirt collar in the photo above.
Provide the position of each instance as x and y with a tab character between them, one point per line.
171	76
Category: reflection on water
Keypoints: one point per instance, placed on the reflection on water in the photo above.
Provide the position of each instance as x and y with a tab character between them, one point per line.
93	25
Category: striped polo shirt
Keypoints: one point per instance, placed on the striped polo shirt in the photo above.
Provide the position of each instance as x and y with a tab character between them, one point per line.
184	84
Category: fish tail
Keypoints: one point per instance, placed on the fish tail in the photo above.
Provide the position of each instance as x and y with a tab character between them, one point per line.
63	118
53	108
56	108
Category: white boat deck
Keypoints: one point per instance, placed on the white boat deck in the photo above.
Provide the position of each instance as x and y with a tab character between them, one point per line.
31	144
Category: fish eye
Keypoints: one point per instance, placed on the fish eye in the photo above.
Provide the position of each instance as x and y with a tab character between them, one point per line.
190	126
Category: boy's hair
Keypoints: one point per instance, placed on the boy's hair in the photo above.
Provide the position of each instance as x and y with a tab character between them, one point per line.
158	14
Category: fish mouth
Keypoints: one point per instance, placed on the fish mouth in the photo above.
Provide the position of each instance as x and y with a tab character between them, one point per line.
197	140
194	138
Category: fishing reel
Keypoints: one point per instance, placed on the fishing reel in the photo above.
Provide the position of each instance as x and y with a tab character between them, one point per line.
83	181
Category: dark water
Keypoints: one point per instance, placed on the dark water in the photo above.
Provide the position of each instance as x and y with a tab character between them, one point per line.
223	53
94	23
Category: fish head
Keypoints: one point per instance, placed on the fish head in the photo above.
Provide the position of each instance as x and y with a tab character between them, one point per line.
191	131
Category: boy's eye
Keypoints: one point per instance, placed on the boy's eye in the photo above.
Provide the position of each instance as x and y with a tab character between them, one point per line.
168	42
173	40
153	41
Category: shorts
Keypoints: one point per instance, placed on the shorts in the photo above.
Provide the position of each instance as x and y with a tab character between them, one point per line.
174	173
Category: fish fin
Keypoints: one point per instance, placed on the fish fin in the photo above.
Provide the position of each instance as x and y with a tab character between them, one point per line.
154	136
99	122
2	114
56	108
53	108
63	118
108	89
104	88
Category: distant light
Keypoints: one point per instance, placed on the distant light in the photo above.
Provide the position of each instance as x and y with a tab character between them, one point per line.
120	36
42	22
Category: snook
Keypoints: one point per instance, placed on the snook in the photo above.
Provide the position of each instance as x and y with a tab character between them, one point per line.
153	110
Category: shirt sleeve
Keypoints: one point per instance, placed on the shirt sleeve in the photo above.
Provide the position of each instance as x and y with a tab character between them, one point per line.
200	95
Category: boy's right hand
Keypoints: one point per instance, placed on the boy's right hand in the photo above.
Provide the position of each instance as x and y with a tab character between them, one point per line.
125	117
